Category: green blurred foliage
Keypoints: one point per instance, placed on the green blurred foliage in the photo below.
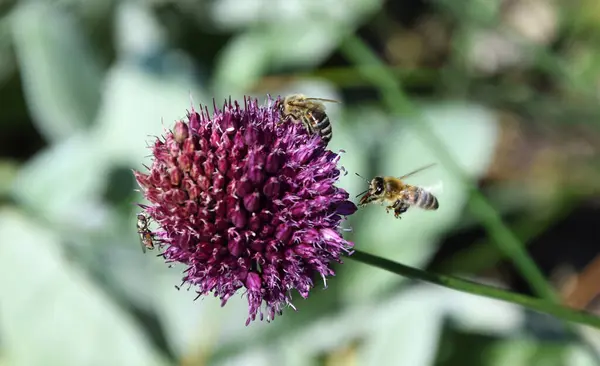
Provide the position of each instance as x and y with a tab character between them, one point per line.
97	79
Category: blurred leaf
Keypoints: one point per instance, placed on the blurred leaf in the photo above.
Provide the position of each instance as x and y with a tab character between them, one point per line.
469	132
248	56
404	327
149	283
313	42
481	12
51	313
63	183
61	77
525	352
579	356
292	355
480	314
7	59
279	35
243	61
408	334
592	337
138	31
232	14
582	18
394	334
8	172
257	356
137	106
191	327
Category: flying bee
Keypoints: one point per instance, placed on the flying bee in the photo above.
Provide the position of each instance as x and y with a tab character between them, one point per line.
399	195
309	111
146	237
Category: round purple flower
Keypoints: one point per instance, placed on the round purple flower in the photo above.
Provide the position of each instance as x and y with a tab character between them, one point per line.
244	201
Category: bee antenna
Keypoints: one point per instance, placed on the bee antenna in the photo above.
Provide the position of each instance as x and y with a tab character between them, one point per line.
363	178
360	194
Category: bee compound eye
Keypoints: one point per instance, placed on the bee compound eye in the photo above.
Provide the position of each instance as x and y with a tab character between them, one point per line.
379	185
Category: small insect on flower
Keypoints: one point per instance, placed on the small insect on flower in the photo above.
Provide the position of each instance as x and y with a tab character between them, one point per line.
247	205
398	194
309	111
146	237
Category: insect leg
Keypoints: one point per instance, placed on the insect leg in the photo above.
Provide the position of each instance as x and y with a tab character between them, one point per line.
283	119
400	207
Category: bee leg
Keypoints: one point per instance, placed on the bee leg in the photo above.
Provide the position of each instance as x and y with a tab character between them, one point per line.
400	207
282	120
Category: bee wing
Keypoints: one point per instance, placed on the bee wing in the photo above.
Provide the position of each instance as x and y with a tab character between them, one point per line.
436	188
324	100
416	171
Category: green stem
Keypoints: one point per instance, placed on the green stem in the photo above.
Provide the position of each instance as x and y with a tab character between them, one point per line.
474	288
373	69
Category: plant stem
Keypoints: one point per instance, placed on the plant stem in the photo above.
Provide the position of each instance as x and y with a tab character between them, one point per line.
475	288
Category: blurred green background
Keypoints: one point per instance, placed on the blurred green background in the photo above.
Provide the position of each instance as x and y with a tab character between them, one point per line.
510	88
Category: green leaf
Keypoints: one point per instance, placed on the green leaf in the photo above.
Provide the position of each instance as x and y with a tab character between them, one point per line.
579	356
191	327
299	34
233	15
51	313
136	107
425	308
8	172
408	333
198	326
258	356
243	61
62	184
61	77
526	352
7	59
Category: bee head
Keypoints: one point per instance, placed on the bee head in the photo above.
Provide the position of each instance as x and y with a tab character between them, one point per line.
375	191
281	105
377	186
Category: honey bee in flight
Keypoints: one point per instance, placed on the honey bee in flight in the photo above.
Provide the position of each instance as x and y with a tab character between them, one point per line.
399	195
309	111
146	237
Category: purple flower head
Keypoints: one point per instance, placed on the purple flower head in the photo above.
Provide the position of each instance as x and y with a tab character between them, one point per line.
244	201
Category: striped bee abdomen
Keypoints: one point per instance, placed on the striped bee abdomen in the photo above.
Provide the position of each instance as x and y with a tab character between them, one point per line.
424	199
322	125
